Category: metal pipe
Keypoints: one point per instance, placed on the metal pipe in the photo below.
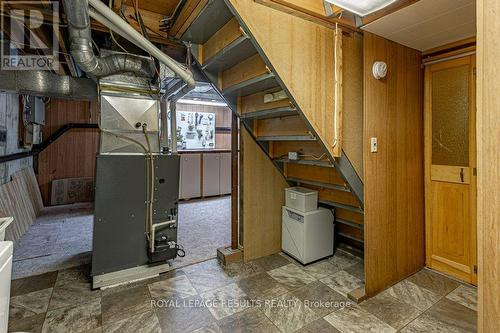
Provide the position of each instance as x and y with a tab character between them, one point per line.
77	12
38	148
140	41
173	126
164	124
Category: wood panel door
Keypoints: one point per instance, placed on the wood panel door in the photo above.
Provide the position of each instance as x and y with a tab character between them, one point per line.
450	161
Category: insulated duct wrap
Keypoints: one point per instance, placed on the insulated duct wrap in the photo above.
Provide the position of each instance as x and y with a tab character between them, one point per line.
45	83
80	38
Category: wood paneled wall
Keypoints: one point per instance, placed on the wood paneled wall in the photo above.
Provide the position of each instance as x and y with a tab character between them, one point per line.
262	198
488	161
352	115
222	119
394	182
73	154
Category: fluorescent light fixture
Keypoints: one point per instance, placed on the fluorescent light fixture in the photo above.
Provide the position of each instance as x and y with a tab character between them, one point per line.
200	102
361	7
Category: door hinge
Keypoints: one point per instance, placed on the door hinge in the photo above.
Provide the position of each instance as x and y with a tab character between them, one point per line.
475	269
474	171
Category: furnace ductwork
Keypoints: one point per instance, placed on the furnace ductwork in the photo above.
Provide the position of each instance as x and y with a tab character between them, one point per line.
47	84
77	12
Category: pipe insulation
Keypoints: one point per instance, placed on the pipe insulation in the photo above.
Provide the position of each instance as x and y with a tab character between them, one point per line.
47	84
109	18
77	12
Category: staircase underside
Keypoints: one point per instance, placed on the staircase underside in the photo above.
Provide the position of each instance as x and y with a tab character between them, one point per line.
232	60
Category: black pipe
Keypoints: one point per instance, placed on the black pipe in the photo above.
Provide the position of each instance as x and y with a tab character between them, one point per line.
38	148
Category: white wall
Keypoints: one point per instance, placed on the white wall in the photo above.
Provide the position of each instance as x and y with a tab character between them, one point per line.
9	121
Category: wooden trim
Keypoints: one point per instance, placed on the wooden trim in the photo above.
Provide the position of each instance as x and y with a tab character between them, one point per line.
311	10
488	155
455	53
450	46
464	268
338	105
451	174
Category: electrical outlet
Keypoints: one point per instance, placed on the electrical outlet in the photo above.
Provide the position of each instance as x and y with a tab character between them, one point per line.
293	155
373	145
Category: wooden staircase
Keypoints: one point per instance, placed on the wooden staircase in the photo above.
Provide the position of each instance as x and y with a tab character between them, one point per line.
272	104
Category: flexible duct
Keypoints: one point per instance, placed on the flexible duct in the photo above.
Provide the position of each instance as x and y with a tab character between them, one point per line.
45	83
77	12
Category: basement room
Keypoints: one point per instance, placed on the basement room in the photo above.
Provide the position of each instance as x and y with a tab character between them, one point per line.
249	166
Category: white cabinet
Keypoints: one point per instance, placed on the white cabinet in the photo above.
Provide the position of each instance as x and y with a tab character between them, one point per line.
225	173
190	183
205	175
5	276
211	174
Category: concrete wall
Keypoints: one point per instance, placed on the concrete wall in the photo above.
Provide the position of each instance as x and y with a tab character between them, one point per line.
9	122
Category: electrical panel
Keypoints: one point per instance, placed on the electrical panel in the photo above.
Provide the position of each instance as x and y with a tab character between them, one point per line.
34	110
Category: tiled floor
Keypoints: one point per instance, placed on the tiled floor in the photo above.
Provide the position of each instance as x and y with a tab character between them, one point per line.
62	236
272	294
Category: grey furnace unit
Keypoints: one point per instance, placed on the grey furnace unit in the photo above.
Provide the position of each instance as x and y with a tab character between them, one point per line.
120	241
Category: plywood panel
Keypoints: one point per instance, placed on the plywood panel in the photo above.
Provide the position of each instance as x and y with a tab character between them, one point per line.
222	38
291	125
488	159
262	197
309	150
245	70
314	173
394	184
352	117
302	55
255	102
349	216
73	154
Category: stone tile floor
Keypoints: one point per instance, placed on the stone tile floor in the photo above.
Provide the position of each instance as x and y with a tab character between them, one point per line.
271	294
62	236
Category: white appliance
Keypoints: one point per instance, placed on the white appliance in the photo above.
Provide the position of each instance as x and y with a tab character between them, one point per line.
5	275
301	198
307	236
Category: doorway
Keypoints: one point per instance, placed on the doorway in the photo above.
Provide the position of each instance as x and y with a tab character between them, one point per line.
450	167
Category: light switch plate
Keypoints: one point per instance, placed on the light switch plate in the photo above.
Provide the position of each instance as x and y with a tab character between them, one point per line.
373	145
